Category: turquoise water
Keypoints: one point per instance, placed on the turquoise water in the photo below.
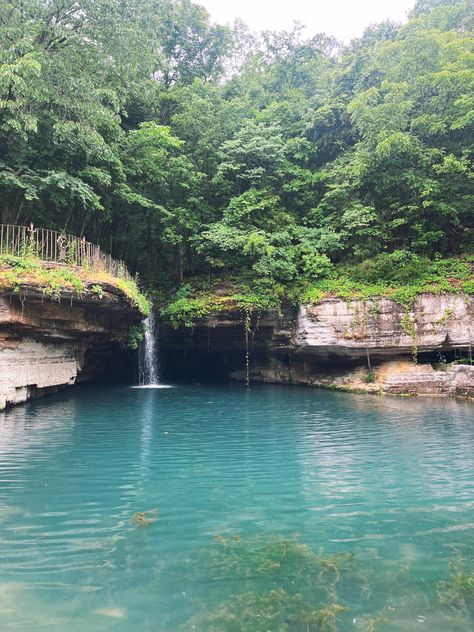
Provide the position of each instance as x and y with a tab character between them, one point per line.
359	501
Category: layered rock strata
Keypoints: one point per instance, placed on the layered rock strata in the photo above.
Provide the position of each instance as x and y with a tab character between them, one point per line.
374	346
46	344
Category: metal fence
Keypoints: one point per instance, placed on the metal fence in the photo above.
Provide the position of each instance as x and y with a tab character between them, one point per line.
51	245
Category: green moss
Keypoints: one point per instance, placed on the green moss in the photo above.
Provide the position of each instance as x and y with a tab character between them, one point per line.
285	585
405	279
265	582
53	280
370	377
135	297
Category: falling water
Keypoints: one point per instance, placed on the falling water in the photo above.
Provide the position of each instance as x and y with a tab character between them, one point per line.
148	369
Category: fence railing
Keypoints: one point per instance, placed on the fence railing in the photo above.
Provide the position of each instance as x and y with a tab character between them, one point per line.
51	245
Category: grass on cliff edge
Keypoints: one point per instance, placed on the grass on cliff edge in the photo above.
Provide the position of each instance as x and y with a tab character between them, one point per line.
400	276
52	280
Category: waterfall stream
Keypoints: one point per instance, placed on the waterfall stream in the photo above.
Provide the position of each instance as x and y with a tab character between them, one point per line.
148	366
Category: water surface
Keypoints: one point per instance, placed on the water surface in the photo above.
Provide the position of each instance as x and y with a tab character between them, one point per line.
361	501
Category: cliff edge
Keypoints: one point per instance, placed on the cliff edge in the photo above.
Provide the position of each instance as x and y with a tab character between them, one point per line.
374	345
53	335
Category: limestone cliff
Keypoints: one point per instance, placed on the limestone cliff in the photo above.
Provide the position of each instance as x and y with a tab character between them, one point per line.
435	322
46	344
375	345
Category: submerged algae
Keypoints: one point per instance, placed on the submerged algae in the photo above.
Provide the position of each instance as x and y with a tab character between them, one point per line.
277	611
145	518
285	586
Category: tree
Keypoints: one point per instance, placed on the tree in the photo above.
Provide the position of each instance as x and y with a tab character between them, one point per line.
185	146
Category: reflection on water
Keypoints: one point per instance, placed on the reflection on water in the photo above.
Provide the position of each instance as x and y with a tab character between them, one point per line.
152	386
277	507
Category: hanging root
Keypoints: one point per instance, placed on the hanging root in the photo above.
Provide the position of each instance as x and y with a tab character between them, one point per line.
247	324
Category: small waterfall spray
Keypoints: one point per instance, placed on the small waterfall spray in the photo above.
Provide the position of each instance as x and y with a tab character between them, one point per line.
148	368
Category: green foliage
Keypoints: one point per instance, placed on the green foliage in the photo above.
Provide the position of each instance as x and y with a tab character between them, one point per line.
18	263
311	295
468	287
185	311
400	277
97	290
252	301
400	266
370	377
135	336
16	272
55	280
200	298
187	149
132	292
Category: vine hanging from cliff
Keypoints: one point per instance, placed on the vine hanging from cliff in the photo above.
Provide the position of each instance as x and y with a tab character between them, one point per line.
247	325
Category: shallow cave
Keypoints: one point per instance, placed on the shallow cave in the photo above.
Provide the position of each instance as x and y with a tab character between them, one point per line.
109	363
200	365
445	356
208	352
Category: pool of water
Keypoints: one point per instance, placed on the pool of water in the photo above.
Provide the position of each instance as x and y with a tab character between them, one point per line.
215	509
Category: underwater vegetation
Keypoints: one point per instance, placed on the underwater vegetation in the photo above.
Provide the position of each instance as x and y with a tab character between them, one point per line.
457	593
145	518
276	611
289	563
270	584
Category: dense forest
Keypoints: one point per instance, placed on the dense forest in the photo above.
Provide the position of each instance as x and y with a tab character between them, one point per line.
188	148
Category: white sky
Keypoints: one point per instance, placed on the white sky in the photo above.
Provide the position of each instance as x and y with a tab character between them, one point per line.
344	19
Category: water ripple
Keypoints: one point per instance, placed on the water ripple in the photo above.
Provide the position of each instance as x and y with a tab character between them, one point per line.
384	478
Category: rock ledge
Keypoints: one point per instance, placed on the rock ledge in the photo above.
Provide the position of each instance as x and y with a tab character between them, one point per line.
48	344
366	346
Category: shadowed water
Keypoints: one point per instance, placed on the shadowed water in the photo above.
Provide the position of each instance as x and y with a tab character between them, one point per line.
256	492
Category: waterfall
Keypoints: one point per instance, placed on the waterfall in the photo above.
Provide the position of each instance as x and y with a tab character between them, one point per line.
148	368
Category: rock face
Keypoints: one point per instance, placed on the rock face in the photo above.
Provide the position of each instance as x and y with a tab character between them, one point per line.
435	322
47	344
368	345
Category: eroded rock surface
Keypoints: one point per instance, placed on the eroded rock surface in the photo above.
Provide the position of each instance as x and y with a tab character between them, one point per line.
367	346
47	344
435	322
